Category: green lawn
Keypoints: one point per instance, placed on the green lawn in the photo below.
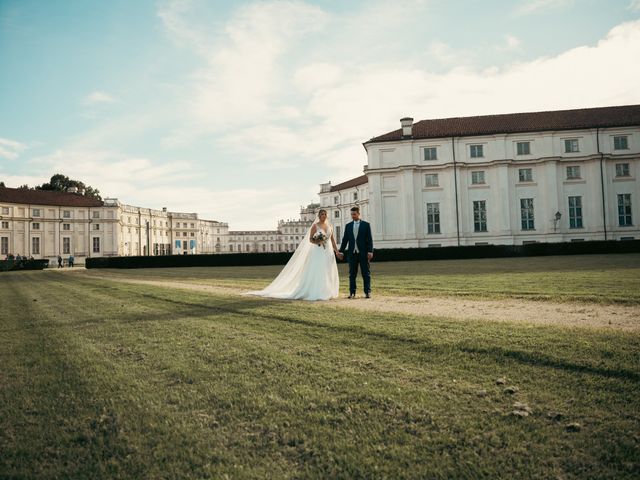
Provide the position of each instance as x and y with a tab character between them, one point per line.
581	278
105	379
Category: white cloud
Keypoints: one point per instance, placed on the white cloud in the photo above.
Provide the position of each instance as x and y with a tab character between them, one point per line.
10	149
511	43
146	183
529	7
242	69
97	98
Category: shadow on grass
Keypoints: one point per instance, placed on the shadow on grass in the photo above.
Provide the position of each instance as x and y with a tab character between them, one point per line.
250	307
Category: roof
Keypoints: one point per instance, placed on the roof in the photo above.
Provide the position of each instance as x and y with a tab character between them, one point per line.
620	116
354	182
46	197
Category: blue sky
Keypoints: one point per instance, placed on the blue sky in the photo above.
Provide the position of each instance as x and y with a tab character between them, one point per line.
238	110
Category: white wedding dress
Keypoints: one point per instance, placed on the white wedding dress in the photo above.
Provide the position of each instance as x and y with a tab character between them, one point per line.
310	274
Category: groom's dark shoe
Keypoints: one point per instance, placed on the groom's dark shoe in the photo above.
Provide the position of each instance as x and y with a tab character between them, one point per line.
352	296
367	295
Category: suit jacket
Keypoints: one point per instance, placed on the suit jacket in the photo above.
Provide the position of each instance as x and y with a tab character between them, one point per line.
364	240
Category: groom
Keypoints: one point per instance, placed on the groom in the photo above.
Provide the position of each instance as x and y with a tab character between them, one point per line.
358	244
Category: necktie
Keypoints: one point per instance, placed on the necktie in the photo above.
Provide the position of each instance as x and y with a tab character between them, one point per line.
356	228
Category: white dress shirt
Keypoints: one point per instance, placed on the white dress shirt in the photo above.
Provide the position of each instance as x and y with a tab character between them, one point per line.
356	228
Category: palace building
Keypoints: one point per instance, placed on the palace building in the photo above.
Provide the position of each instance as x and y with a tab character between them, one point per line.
558	176
45	224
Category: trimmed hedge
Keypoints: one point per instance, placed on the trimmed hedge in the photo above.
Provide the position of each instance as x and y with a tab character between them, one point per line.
382	255
8	265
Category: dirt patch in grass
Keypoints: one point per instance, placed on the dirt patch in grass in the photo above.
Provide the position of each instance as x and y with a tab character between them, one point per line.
589	315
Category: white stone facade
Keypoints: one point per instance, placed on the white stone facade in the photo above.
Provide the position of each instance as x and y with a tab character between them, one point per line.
166	233
45	230
511	188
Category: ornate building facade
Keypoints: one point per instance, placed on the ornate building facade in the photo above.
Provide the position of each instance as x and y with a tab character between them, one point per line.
45	224
555	176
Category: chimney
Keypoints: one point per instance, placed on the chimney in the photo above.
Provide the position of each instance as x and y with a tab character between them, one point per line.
164	209
407	127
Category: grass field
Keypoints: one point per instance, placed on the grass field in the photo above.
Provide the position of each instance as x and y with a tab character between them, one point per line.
102	379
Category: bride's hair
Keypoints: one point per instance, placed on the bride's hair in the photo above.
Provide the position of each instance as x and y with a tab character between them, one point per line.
321	211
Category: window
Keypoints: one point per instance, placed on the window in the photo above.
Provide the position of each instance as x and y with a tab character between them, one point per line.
573	172
336	214
66	214
624	209
336	200
477	178
431	180
523	148
622	170
35	226
477	151
525	175
355	196
480	216
193	234
433	218
67	226
96	244
571	145
95	214
4	245
5	210
66	245
192	225
184	234
35	212
96	226
575	212
5	224
431	153
184	225
35	246
526	213
620	143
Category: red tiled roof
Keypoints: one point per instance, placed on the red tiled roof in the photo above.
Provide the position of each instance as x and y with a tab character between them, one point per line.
46	197
621	116
354	182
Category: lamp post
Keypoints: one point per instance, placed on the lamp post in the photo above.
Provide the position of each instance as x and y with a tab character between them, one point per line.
556	219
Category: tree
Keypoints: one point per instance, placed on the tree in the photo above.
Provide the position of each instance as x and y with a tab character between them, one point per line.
1	184
60	183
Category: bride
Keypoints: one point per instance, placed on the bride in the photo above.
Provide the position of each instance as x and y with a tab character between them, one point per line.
311	273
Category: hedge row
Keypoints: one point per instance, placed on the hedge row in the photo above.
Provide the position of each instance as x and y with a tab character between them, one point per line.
8	265
382	255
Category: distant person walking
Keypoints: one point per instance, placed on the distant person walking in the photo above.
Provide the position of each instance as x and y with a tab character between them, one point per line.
59	261
70	261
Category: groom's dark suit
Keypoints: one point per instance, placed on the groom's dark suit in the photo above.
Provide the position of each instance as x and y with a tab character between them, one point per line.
364	245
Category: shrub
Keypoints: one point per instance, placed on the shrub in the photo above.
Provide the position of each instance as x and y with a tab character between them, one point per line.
382	255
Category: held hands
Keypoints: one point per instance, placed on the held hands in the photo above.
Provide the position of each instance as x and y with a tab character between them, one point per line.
369	256
340	255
